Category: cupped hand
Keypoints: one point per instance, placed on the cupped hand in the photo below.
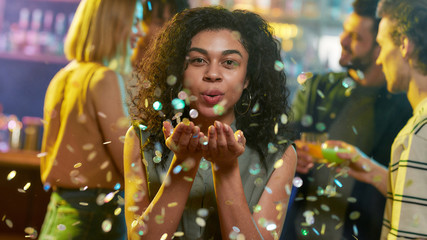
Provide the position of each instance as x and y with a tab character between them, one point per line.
183	141
224	146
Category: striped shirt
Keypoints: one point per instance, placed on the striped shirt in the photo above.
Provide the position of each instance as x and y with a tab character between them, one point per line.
405	215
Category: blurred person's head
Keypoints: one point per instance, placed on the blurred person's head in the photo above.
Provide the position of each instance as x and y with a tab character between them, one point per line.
104	31
156	14
359	47
402	36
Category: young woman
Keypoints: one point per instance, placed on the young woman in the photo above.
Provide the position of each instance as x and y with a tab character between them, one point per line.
84	118
207	156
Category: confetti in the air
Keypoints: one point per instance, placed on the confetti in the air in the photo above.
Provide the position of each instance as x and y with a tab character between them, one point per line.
11	175
297	182
157	106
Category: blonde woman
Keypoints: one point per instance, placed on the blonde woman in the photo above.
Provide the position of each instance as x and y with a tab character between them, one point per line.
85	118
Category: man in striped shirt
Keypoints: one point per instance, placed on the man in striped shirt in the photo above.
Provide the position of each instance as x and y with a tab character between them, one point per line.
402	37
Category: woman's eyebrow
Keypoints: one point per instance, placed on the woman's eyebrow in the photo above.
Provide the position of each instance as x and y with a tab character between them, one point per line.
225	52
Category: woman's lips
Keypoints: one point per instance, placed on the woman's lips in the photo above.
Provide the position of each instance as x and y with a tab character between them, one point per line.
212	97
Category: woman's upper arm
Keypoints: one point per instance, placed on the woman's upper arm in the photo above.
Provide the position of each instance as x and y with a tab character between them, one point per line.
275	198
136	190
105	92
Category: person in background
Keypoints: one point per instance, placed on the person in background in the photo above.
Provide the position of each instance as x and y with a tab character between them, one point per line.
403	56
355	107
85	121
221	174
156	14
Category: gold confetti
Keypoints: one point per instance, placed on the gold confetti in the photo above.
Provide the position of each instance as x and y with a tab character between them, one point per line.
27	186
172	204
11	175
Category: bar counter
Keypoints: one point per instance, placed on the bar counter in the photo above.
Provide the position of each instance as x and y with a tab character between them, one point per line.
23	202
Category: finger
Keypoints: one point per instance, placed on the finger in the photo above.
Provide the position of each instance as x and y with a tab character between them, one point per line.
177	132
220	136
194	141
212	139
167	129
240	138
186	135
229	137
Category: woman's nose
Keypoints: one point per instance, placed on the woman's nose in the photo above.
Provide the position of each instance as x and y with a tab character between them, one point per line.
212	73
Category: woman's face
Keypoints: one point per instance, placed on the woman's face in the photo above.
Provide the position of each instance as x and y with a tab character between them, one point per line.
216	73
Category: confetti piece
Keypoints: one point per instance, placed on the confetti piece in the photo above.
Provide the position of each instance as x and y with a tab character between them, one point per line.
271	227
354	130
348	83
307	120
101	114
201	222
109	197
297	182
159	219
77	165
320	93
108	142
325	207
171	80
117	211
278	163
27	186
315	231
320	127
9	223
178	104
311	198
303	77
255	169
157	106
284	119
354	215
11	175
182	95
194	113
91	156
32	233
255	108
355	230
179	234
339	225
338	183
218	109
203	212
257	208
188	179
88	146
61	227
279	66
304	232
43	154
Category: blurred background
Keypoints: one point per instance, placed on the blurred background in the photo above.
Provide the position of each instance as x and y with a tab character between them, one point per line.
32	34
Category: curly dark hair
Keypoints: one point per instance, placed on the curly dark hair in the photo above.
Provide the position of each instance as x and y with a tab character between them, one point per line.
166	57
409	19
367	8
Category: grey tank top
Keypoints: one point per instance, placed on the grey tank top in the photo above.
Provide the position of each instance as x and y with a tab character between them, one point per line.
253	172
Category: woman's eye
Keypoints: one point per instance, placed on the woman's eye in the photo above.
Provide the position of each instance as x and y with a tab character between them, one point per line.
230	63
197	60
